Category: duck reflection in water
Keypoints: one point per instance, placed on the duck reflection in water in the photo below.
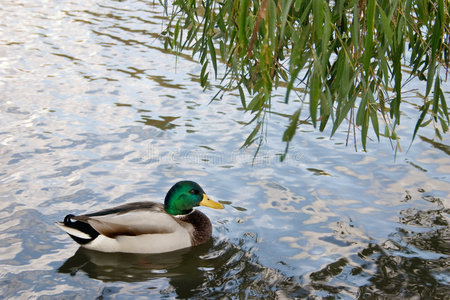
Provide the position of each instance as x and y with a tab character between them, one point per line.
181	267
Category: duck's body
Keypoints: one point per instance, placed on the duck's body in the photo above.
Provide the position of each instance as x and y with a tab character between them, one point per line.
146	227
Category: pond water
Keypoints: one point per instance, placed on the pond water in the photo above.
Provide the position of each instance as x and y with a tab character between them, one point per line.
95	113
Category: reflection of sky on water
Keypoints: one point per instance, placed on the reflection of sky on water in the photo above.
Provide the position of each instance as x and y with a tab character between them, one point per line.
95	113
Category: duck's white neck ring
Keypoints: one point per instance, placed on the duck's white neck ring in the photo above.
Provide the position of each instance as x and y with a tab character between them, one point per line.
179	216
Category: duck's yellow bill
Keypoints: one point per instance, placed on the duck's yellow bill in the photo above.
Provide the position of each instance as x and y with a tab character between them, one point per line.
210	203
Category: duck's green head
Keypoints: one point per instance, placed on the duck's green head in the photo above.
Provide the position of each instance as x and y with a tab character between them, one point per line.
184	196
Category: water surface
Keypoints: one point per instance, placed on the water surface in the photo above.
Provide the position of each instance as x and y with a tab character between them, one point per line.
95	113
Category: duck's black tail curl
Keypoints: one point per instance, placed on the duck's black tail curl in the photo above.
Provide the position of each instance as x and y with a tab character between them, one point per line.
67	220
86	232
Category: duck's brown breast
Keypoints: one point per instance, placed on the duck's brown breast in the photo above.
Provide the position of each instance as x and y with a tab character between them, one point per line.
202	227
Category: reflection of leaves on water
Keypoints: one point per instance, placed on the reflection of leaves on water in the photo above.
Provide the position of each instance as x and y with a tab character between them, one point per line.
330	271
423	218
415	261
318	172
239	208
407	277
437	238
415	165
164	124
436	145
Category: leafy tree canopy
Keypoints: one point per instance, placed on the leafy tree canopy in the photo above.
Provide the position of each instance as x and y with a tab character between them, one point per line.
343	58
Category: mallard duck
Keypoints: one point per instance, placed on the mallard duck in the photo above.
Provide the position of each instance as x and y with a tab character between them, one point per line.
146	227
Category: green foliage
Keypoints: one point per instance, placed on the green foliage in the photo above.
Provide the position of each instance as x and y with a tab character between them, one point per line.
343	58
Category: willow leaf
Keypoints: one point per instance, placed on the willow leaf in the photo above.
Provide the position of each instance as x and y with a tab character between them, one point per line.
252	135
286	7
314	95
424	110
369	35
292	128
212	53
242	33
242	96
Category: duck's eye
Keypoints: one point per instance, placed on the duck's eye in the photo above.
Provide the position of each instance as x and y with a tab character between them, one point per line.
194	192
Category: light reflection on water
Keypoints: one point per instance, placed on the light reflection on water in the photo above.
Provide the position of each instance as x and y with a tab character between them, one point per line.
96	113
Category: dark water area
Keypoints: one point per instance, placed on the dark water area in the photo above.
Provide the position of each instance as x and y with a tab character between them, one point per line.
95	113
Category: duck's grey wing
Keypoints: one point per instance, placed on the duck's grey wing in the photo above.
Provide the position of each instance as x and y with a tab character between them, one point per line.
131	219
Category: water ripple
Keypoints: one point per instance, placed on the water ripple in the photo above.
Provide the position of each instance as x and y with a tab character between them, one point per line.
95	112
